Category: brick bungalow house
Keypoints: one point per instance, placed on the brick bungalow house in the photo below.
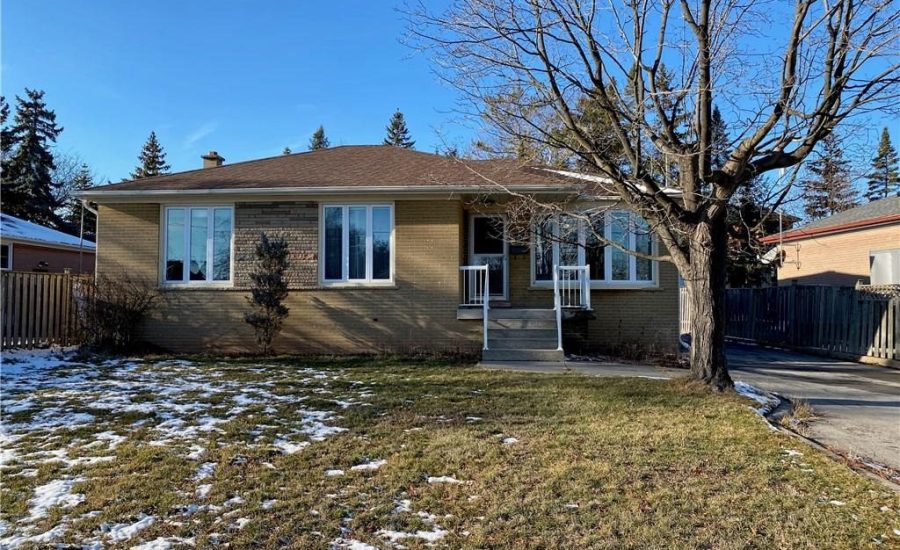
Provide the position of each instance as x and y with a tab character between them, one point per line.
387	248
27	246
859	245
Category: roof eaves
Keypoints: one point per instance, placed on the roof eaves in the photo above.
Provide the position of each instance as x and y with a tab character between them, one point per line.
801	233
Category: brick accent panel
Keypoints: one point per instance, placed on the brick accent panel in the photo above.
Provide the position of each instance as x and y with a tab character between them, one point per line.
296	222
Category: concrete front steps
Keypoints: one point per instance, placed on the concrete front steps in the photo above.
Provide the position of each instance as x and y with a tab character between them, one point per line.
522	335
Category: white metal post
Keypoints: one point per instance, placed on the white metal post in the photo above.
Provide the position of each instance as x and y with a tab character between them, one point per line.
557	303
485	298
587	287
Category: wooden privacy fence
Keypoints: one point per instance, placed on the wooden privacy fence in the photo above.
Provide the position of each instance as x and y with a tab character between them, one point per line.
40	308
842	321
838	320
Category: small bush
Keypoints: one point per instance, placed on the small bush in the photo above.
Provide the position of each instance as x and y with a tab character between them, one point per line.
113	307
268	291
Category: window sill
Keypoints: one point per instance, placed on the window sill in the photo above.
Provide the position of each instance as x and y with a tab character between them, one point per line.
197	286
362	285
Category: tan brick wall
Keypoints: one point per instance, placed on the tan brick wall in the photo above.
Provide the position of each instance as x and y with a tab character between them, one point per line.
418	314
26	257
839	259
643	317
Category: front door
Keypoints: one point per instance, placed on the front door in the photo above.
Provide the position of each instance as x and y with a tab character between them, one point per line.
488	246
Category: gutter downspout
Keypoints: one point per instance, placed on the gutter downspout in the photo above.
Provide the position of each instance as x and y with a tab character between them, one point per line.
84	206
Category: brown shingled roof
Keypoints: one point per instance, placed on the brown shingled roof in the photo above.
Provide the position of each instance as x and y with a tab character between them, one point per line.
348	166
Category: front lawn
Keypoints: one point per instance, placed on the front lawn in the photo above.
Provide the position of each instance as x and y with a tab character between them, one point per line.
379	454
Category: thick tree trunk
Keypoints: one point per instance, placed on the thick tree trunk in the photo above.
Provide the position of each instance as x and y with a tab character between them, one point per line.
706	289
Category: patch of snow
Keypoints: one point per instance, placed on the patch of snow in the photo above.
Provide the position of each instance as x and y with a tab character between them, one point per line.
792	452
56	493
510	441
268	504
404	505
334	473
369	466
444	479
432	536
118	532
767	400
289	448
234	501
204	471
164	543
240	523
837	503
473	418
571	505
203	490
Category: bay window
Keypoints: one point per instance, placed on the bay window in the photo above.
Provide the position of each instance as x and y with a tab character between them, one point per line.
197	244
569	241
356	243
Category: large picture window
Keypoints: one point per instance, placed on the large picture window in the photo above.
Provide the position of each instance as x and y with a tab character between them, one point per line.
198	244
356	241
565	240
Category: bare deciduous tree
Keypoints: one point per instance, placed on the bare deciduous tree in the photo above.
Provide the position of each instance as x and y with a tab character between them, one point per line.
785	75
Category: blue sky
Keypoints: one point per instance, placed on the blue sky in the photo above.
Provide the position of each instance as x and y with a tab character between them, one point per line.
244	78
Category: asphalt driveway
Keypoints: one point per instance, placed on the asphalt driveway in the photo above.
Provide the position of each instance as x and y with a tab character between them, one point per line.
859	404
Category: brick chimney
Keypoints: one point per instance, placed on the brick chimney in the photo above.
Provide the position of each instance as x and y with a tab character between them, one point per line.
212	159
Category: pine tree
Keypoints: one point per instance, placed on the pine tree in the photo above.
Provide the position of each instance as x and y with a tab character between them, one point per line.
28	162
152	160
884	179
398	133
71	205
318	140
5	143
828	189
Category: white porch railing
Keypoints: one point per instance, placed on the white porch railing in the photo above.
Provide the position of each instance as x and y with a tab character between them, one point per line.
571	289
475	285
574	286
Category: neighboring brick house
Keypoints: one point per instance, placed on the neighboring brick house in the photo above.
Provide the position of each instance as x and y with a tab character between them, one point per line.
27	246
859	245
380	241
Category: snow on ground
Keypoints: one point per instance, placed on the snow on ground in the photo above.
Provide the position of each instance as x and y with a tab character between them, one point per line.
444	479
767	400
369	466
64	417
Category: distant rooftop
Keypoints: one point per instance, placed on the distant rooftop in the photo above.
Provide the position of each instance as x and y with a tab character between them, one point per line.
872	213
19	229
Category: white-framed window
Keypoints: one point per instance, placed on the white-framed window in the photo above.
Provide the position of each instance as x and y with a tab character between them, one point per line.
197	245
5	257
356	243
564	240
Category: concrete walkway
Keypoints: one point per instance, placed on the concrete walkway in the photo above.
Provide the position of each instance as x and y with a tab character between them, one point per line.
860	404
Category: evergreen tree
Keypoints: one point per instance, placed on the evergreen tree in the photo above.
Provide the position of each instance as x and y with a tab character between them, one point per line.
268	291
286	151
70	211
5	143
152	160
828	187
398	133
28	162
884	179
318	140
